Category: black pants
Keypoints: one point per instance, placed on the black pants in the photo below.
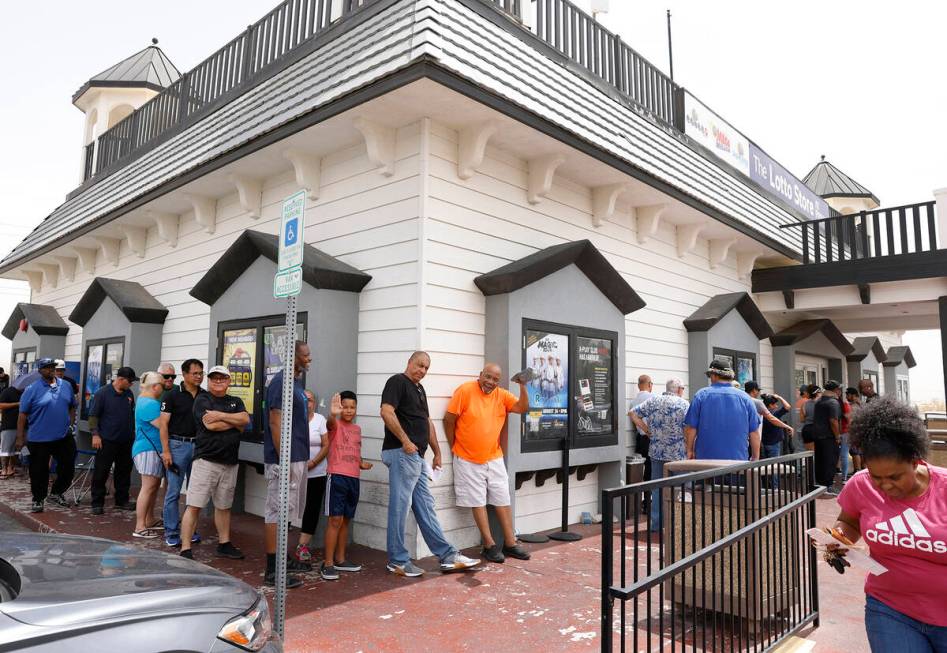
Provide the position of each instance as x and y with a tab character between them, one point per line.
315	491
119	454
826	457
63	451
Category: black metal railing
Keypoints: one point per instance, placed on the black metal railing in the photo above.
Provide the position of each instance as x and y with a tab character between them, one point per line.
88	160
908	229
233	66
578	36
730	568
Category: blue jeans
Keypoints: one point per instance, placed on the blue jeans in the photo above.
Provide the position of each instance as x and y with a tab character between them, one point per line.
889	630
182	453
773	450
657	471
843	456
407	486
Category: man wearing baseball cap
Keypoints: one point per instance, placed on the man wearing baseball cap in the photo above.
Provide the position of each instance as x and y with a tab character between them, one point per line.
112	422
48	407
61	374
221	419
721	422
827	433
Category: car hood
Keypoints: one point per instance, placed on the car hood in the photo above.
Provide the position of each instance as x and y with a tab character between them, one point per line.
67	579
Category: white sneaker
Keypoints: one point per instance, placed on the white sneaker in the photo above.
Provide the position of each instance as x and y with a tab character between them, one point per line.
459	561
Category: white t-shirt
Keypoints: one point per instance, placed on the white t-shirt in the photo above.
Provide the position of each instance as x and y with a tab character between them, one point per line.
317	430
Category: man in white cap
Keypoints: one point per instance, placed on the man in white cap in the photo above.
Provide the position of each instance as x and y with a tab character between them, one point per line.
61	374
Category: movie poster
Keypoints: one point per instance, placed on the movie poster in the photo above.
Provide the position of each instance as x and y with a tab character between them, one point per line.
548	355
596	390
93	375
239	355
274	346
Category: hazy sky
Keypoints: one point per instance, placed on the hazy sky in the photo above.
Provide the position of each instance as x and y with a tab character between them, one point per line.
861	82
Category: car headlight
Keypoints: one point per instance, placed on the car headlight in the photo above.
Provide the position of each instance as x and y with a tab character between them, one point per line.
250	630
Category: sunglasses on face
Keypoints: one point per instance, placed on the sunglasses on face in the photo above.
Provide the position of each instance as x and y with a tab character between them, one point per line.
169	376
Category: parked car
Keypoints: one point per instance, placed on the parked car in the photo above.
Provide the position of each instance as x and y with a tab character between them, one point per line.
68	593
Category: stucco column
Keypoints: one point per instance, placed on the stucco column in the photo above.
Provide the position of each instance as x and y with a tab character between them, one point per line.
940	195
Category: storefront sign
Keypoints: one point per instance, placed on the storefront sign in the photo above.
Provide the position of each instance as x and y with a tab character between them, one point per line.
548	355
781	183
594	379
291	233
239	355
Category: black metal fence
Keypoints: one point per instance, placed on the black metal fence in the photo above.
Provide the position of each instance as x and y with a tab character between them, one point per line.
891	231
730	568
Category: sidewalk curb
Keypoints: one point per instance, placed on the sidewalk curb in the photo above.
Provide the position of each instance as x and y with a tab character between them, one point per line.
26	519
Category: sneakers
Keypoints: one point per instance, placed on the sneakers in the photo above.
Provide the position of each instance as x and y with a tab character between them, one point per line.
459	562
296	565
172	539
328	573
228	550
493	554
60	500
186	553
36	506
347	566
409	569
98	510
517	552
196	538
303	554
292	582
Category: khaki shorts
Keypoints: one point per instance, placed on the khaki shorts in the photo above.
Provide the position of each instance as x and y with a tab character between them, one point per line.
478	485
297	491
209	480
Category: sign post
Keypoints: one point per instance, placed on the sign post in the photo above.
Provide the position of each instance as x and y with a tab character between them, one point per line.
288	284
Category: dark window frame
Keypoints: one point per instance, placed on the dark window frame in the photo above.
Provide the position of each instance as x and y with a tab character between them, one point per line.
105	342
736	354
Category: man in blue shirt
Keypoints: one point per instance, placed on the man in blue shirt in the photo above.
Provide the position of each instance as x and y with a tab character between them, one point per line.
48	407
299	458
112	421
722	422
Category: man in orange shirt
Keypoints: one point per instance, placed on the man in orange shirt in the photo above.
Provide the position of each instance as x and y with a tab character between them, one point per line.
473	424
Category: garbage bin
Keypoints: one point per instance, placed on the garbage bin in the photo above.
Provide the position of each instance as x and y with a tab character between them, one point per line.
749	593
634	473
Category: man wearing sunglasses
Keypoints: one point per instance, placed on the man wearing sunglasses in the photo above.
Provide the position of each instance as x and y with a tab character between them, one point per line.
166	370
178	430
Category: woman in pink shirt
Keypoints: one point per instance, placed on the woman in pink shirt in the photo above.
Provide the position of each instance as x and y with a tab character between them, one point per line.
899	505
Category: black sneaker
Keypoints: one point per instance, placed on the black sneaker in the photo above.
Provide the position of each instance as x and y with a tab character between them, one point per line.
291	581
295	565
228	550
60	500
517	552
36	506
328	573
348	566
98	510
186	553
492	553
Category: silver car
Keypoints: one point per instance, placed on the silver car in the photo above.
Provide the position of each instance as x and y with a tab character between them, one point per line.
71	594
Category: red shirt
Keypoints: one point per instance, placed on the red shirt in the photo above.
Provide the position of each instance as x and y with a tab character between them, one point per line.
345	449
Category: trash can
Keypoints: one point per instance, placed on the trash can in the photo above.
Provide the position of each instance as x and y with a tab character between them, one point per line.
634	473
749	593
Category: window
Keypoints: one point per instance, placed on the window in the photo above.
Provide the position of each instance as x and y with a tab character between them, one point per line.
743	363
253	352
903	394
23	360
572	394
102	360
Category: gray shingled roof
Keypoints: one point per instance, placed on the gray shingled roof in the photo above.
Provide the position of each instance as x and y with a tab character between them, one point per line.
149	68
826	181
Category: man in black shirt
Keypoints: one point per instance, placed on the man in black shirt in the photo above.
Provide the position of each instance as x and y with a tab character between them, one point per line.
61	373
178	430
408	433
10	407
220	419
826	430
112	421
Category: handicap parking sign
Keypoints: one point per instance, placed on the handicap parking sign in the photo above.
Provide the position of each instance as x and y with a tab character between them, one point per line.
291	232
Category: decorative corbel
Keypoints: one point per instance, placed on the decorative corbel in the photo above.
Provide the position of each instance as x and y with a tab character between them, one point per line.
110	248
380	143
205	211
168	225
86	258
67	267
864	293
604	199
308	171
687	237
35	277
249	193
50	274
137	238
649	219
472	146
746	261
542	170
719	248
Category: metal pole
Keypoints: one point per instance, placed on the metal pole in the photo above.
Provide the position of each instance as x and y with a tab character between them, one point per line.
670	51
286	427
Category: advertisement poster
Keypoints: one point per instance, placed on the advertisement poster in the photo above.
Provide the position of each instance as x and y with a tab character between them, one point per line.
744	370
548	355
239	355
93	375
114	355
274	344
717	135
594	378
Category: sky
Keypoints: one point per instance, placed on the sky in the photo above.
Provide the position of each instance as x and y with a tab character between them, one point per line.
860	82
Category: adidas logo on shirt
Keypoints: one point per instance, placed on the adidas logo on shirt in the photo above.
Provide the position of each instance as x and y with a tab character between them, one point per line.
907	531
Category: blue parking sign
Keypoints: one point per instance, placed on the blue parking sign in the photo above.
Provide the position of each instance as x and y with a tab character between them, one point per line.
292	232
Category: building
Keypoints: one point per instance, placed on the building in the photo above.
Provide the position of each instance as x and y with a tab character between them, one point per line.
460	198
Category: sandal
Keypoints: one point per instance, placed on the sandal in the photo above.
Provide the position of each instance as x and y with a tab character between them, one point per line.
147	534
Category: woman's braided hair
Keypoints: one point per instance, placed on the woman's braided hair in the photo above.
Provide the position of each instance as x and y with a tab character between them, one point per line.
888	428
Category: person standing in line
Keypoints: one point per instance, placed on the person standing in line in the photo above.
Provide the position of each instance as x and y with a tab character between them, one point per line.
642	441
112	421
9	412
221	419
827	434
47	410
178	431
844	448
408	433
867	389
854	402
146	452
315	478
61	374
4	380
767	418
473	425
806	415
722	422
298	465
168	375
772	436
661	419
